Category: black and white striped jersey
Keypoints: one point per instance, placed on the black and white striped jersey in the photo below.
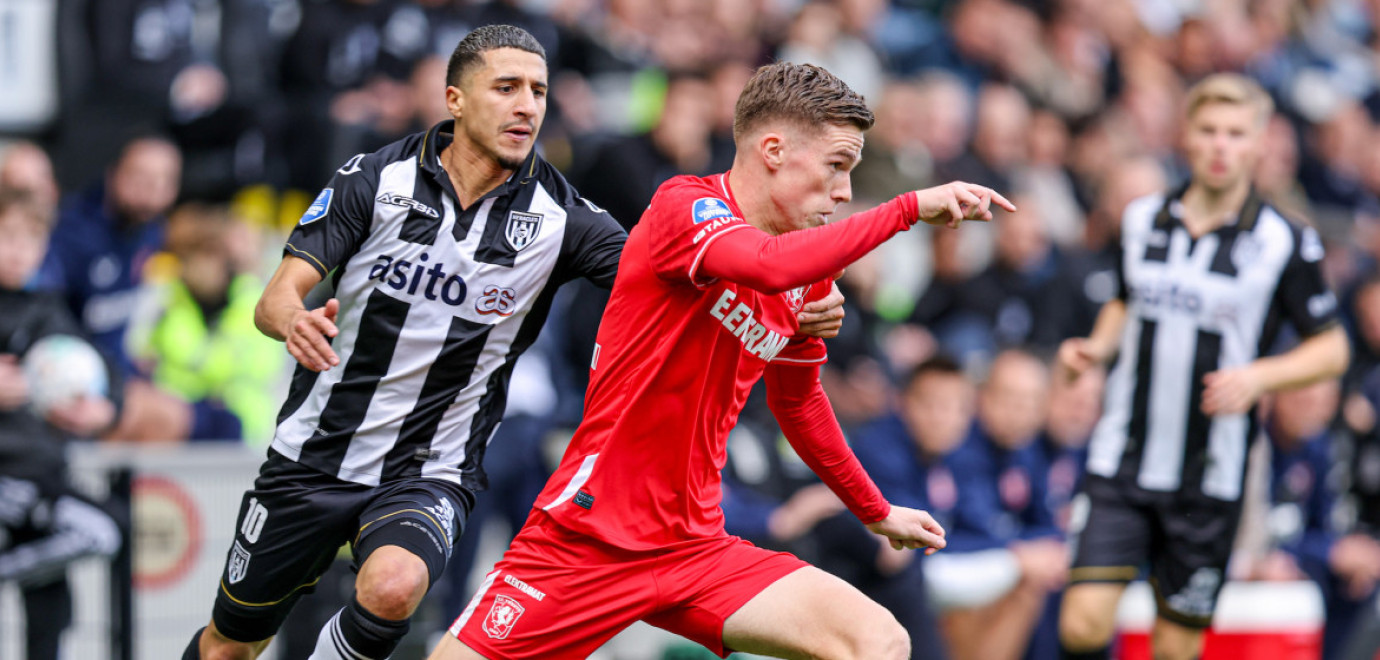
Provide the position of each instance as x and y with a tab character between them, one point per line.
436	304
1193	307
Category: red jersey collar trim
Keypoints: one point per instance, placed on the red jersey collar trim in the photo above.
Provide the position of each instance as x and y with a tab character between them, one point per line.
733	201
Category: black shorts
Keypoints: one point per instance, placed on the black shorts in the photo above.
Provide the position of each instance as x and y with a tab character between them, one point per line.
1184	539
294	521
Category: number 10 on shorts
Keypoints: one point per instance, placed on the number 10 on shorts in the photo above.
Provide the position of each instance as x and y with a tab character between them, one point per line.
254	520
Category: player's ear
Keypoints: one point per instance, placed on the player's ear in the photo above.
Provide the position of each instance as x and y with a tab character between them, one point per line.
772	147
455	101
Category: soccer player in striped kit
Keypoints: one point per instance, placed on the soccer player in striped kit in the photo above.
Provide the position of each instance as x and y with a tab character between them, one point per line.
1207	273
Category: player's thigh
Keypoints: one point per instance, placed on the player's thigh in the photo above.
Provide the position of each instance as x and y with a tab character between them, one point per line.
812	614
1190	569
290	526
555	595
1113	534
421	516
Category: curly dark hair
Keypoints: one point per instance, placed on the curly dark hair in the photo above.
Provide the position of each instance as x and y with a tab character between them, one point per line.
469	53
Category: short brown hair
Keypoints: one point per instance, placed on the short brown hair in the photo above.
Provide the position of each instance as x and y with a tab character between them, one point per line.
1232	89
802	93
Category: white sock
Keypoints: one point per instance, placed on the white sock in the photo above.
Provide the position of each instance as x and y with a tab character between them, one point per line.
331	645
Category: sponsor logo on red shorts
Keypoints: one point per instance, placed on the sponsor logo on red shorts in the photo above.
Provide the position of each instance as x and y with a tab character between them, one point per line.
502	615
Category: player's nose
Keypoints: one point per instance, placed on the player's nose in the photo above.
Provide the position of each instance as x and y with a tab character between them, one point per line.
843	191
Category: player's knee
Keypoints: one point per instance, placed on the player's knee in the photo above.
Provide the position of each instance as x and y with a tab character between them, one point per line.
893	643
392	584
217	647
1083	630
885	639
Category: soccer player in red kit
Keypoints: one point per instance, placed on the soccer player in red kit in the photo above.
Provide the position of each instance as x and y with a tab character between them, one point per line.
629	527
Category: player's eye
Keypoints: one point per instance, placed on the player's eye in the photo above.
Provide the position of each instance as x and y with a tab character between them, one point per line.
505	88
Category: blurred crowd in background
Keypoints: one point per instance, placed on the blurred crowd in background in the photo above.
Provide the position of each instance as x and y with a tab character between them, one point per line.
185	137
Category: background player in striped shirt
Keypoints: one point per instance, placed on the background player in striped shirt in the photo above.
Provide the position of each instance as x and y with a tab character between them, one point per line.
629	527
1207	273
445	250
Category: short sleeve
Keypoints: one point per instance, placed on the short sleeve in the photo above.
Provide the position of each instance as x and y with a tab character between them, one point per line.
593	244
1303	294
338	220
683	220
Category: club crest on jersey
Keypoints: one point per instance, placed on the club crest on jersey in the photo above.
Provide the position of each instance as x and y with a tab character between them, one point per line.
1245	251
708	208
502	615
796	298
319	207
522	229
239	563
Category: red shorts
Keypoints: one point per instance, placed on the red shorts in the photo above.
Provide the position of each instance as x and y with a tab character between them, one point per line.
558	594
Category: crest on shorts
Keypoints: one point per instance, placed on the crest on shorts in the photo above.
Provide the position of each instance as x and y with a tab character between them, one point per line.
239	563
502	615
522	229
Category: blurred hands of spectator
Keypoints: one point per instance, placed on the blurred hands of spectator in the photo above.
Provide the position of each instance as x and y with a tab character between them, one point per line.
1355	558
1277	566
197	90
1358	413
352	108
907	345
83	416
14	389
1044	562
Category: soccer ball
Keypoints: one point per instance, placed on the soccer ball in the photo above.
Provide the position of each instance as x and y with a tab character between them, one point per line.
60	368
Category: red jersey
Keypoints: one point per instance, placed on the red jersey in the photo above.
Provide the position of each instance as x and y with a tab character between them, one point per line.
676	355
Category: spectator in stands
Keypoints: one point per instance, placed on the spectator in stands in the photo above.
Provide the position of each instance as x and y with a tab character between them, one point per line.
908	453
999	139
1002	498
1074	406
626	172
1046	177
195	337
44	523
818	36
25	167
1304	523
894	157
942	311
1020	295
103	238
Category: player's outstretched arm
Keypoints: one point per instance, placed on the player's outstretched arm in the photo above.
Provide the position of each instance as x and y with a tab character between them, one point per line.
773	264
281	315
910	528
957	201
